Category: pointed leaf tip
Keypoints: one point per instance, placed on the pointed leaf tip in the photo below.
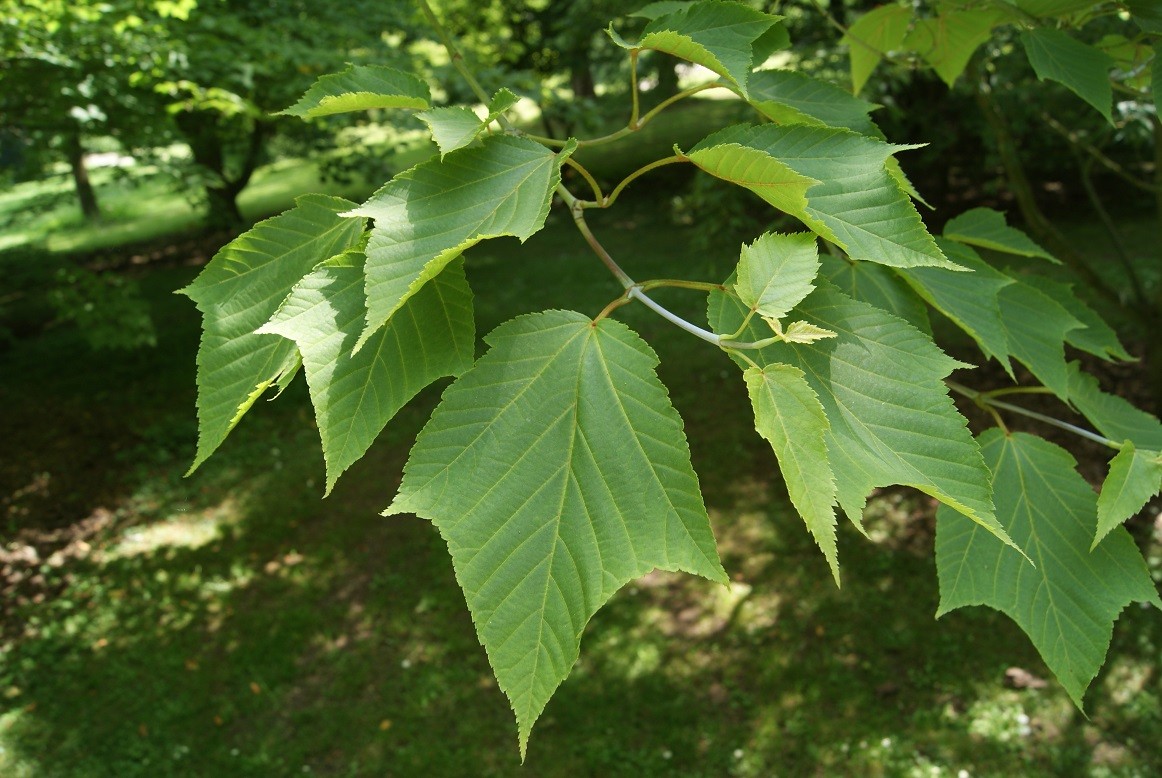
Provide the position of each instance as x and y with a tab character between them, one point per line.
556	470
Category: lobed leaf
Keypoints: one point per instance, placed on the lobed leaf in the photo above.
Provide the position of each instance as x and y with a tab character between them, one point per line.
874	34
239	290
556	469
1083	69
789	416
1135	476
426	216
971	300
725	37
834	180
358	88
1095	336
355	394
987	229
881	383
1067	604
775	272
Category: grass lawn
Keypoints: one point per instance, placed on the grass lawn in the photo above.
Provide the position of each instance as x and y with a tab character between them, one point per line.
234	623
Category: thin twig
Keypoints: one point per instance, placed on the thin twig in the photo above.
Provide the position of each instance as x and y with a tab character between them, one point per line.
989	403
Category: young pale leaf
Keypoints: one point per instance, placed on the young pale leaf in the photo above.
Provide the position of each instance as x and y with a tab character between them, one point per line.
851	199
804	332
238	291
874	34
947	42
725	37
788	415
986	228
1095	337
878	285
1114	417
358	88
426	216
881	383
775	272
1082	68
455	127
1134	477
971	300
557	471
1067	604
356	394
790	97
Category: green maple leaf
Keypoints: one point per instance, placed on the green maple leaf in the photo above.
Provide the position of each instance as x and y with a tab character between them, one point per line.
557	471
358	88
238	291
1067	604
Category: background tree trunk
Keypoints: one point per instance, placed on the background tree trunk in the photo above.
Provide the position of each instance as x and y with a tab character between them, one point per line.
85	193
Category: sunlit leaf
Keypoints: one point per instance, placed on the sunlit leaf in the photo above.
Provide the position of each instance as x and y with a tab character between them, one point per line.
725	37
556	470
360	87
455	127
355	394
239	290
788	415
1067	604
775	272
874	34
855	203
425	217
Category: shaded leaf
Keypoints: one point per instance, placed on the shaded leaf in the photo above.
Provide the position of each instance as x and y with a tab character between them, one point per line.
358	88
788	415
1095	336
1082	68
1114	417
556	470
881	383
239	290
791	97
355	394
1134	477
1148	15
971	300
1067	604
987	229
720	36
775	272
874	34
947	42
833	180
878	285
1046	8
426	216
